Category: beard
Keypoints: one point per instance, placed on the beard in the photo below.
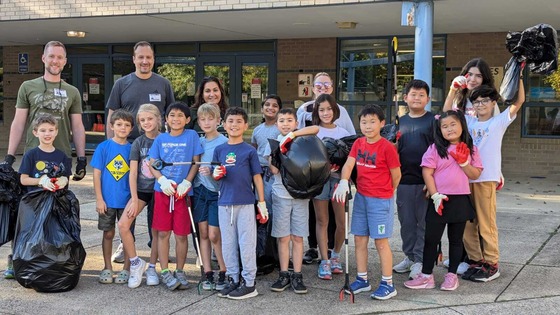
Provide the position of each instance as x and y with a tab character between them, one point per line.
50	70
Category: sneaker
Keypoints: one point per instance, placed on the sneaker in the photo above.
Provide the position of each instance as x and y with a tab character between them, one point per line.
450	283
229	287
415	269
360	285
336	266
181	276
221	284
310	256
243	292
282	283
297	283
9	272
384	291
152	277
463	267
324	271
209	283
169	280
118	255
487	273
446	263
421	282
403	266
135	278
473	268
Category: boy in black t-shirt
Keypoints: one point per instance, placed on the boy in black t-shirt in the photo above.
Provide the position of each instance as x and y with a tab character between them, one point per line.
416	130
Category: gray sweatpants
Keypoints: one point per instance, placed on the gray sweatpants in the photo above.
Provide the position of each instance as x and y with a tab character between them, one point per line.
238	226
411	208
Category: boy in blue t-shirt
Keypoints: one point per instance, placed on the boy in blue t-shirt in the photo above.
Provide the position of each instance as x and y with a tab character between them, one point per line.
172	188
110	164
239	170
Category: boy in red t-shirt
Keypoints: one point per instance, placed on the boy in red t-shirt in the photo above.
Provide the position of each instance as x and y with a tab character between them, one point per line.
379	174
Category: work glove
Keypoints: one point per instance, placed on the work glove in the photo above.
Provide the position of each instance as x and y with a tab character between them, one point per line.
341	190
80	168
263	212
183	188
438	201
9	160
461	154
47	183
334	168
459	83
61	182
166	185
285	141
219	172
501	182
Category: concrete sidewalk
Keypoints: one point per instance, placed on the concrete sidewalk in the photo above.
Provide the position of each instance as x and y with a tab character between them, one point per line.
528	220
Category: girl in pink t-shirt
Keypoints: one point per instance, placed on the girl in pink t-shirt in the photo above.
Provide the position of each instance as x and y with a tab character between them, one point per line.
447	166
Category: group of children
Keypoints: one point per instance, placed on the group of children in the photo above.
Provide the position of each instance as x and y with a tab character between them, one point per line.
451	159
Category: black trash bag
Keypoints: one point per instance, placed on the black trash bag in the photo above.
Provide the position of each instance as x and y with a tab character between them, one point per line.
510	82
537	45
305	168
337	151
349	140
11	192
48	254
389	132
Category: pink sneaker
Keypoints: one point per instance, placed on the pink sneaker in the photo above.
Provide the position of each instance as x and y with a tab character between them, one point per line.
450	282
421	281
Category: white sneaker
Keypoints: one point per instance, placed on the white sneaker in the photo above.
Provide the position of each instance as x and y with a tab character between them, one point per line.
415	269
118	255
463	267
136	272
152	277
403	266
446	263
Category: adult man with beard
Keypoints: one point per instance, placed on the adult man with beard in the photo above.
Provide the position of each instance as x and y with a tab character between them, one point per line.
49	94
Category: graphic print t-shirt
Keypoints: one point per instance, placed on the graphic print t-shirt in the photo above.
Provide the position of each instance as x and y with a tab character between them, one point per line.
37	163
112	159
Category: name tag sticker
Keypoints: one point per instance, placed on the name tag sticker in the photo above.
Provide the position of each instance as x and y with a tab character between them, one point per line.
155	97
59	92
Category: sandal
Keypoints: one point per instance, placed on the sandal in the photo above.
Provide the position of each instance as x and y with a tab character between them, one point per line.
106	276
122	277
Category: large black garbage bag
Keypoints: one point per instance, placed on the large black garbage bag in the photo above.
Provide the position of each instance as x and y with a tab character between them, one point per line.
538	45
337	151
10	195
510	82
48	253
305	168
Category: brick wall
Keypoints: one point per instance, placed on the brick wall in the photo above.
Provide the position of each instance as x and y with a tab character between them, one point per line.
45	9
297	56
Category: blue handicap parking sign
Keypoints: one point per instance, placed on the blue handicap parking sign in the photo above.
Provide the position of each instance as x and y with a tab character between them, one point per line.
23	62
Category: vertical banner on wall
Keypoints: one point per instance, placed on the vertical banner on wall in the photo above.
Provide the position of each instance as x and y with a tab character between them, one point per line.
256	88
305	84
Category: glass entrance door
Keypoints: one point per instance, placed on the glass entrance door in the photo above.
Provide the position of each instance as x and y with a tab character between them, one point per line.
89	75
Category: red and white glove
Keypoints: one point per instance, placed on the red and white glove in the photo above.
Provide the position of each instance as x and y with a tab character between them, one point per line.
166	185
47	183
438	202
341	190
219	172
263	212
285	141
461	154
501	182
183	188
459	83
61	182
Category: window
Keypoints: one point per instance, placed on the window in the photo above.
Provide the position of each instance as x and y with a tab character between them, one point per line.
540	112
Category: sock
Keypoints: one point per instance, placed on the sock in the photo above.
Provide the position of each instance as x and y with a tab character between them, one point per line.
335	254
388	279
363	275
152	266
134	261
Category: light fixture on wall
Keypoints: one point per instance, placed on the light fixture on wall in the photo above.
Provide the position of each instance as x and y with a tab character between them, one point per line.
346	25
79	34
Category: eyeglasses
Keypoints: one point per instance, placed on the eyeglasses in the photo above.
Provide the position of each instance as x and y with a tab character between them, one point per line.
483	102
326	85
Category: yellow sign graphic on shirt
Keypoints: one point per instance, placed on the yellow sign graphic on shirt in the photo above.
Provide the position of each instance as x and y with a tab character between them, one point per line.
118	167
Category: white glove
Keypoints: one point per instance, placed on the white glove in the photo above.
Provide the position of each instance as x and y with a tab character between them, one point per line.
284	142
341	190
438	201
459	83
166	185
61	182
45	182
263	212
183	188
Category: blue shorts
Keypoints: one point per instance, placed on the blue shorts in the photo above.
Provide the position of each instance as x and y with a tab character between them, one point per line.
205	206
328	189
372	217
